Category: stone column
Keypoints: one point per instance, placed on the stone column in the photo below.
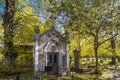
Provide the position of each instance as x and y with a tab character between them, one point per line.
36	53
68	60
67	51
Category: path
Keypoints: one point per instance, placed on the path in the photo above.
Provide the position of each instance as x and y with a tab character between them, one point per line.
116	75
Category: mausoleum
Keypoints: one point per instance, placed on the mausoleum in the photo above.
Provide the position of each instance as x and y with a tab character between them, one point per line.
51	52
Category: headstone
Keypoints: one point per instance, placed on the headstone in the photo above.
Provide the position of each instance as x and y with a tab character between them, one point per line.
76	58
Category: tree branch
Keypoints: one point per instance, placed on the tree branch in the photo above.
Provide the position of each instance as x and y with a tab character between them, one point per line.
106	40
91	33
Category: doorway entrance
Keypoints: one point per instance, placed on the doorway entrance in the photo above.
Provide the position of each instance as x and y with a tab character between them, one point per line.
53	61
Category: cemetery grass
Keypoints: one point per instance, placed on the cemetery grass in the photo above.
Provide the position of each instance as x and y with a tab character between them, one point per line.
89	75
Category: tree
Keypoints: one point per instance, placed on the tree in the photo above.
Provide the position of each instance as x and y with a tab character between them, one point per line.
8	25
18	22
91	17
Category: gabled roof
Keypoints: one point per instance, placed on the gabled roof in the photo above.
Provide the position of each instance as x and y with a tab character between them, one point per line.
51	29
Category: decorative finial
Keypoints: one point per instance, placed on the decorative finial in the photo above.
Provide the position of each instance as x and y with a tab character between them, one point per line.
66	32
53	21
37	29
53	27
67	36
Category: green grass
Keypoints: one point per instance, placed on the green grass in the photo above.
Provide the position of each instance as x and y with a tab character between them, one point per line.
23	76
72	76
86	76
65	78
104	64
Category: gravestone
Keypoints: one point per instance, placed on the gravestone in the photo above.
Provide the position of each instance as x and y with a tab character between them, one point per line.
76	58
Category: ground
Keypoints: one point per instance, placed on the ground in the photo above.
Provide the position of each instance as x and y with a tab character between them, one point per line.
116	75
109	72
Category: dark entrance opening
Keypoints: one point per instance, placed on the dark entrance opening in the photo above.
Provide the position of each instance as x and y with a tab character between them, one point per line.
52	64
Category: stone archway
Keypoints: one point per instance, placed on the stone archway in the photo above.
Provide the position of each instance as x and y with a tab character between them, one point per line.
52	53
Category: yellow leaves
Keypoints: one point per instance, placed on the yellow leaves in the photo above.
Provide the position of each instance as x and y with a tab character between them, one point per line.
87	47
1	55
73	46
1	31
28	11
105	49
26	17
26	22
118	47
87	50
21	2
48	23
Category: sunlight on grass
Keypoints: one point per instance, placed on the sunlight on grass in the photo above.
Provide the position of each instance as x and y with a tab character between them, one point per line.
112	67
65	78
86	76
106	75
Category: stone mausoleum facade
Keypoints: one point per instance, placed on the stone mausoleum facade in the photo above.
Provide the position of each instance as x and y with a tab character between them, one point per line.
51	52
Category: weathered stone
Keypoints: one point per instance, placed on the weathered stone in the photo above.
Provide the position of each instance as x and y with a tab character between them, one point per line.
51	53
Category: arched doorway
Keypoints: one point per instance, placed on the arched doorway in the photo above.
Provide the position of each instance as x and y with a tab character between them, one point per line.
52	50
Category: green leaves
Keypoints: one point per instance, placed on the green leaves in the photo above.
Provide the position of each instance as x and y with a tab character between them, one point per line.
87	18
24	22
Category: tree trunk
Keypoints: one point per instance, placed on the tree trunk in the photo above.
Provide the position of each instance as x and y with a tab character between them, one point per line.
113	51
8	25
96	58
96	53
